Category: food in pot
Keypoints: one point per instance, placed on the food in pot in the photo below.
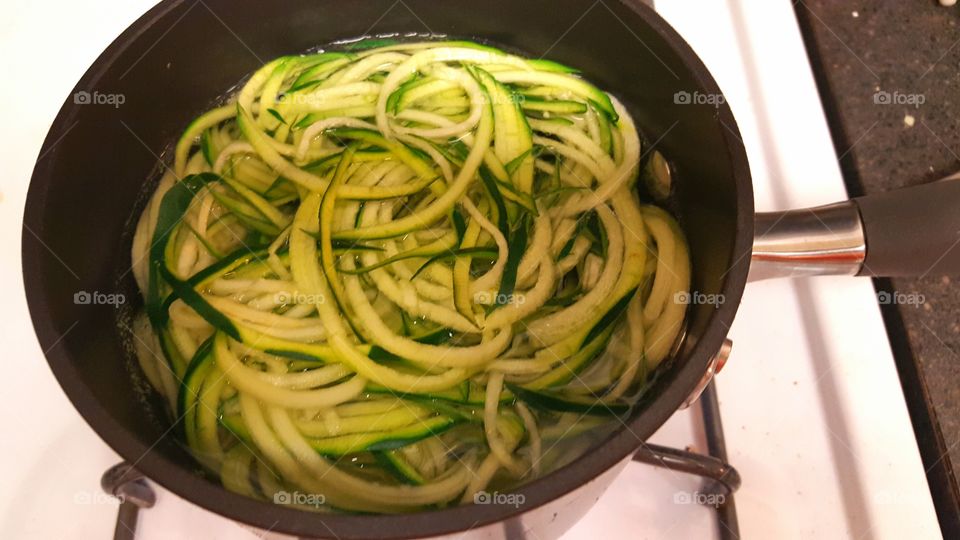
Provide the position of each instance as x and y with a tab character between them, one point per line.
391	276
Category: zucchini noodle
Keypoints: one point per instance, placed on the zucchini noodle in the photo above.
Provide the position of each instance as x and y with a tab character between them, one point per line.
395	276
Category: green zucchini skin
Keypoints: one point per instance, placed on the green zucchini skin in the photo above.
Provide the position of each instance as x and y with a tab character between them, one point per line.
355	443
379	441
392	271
197	370
393	461
557	401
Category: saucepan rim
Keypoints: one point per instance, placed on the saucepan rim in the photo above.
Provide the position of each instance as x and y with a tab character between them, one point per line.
187	484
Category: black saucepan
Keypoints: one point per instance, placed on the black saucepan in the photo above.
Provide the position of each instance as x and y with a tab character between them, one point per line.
175	60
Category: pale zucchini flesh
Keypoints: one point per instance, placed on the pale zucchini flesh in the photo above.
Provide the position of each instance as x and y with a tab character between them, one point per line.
395	272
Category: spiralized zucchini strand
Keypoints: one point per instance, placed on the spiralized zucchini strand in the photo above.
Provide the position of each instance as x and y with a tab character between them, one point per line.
392	277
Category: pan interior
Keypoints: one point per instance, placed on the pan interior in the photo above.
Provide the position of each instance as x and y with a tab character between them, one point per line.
181	56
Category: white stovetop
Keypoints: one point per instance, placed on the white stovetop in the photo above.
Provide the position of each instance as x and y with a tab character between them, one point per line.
812	407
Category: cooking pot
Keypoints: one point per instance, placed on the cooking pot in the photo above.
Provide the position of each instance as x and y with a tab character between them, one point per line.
98	162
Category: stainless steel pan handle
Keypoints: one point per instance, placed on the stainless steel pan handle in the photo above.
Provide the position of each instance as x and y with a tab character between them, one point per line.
826	240
913	231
